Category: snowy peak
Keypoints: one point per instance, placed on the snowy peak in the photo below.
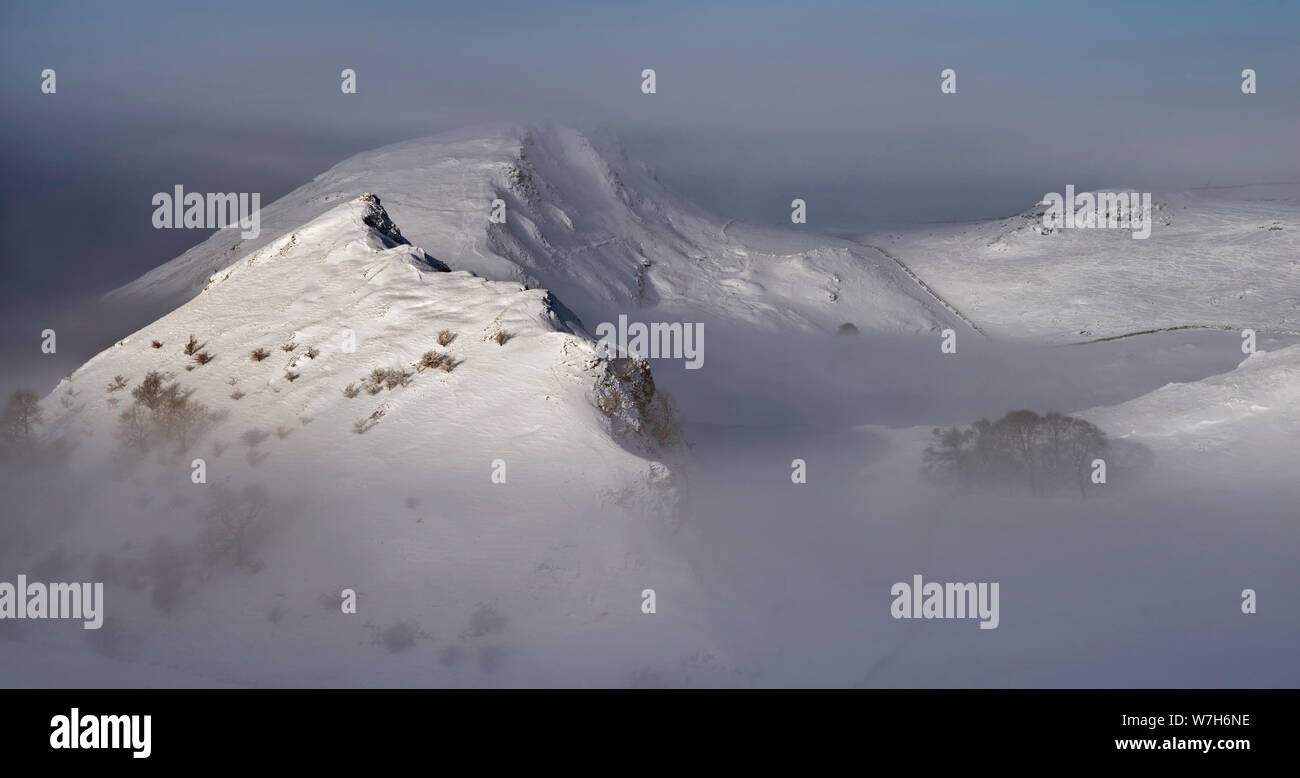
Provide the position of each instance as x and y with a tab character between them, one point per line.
336	411
342	337
377	218
362	221
548	207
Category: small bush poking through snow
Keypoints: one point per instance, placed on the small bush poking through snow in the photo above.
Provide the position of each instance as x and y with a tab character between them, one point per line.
501	336
437	361
192	346
351	390
203	357
259	354
117	384
291	376
396	377
235	395
389	378
360	426
157	344
290	346
446	337
312	352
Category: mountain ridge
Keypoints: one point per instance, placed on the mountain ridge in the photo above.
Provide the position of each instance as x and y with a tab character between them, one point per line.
303	328
586	222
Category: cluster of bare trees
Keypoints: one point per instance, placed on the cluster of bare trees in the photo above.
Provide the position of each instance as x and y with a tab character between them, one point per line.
1022	451
161	412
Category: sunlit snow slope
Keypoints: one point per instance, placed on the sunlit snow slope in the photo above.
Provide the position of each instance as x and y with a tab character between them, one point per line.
490	516
595	228
340	297
1242	426
1222	258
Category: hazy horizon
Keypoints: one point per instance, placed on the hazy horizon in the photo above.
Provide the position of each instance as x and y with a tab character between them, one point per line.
756	104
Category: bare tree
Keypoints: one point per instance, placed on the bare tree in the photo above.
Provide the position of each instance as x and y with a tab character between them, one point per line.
21	417
180	417
135	427
149	391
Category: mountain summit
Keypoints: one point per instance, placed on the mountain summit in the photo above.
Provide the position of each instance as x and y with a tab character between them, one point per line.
341	327
592	226
336	411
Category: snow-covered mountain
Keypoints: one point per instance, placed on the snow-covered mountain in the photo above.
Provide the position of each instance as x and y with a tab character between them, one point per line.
296	326
454	449
423	419
595	228
1221	258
